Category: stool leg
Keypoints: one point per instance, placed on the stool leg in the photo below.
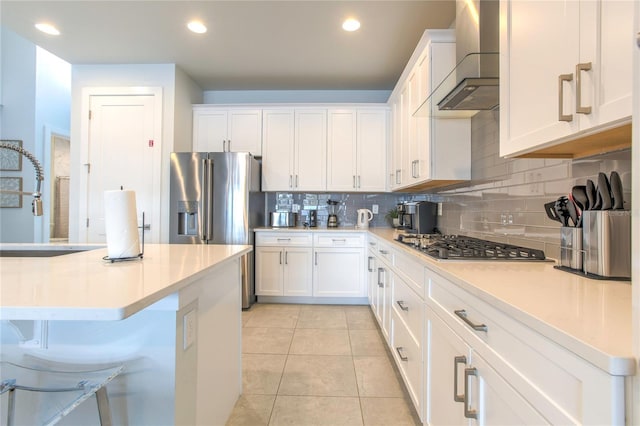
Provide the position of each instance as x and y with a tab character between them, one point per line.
11	407
103	407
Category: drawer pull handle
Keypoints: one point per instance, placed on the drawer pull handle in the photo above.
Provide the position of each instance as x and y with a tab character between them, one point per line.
383	251
468	412
400	351
339	240
402	305
281	257
369	267
284	239
561	115
380	282
579	69
462	314
461	359
372	243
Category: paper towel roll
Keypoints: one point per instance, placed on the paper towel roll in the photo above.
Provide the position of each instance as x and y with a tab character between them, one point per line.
121	224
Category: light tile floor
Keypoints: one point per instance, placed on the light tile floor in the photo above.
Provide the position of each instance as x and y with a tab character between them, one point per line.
318	365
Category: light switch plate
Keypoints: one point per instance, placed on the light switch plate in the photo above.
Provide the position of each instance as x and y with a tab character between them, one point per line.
374	209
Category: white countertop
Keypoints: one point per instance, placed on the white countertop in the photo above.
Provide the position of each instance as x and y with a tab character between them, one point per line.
82	286
592	318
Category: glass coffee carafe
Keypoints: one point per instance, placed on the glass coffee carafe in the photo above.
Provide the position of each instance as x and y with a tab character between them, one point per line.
332	209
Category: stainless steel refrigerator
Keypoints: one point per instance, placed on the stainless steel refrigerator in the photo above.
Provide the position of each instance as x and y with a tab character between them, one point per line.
216	199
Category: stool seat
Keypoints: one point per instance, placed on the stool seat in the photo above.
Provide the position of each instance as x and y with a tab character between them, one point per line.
38	396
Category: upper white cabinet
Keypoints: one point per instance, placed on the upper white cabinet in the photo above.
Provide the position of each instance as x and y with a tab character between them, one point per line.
565	92
428	151
356	149
217	129
295	149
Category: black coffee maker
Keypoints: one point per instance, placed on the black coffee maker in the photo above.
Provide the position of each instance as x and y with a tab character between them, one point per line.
418	217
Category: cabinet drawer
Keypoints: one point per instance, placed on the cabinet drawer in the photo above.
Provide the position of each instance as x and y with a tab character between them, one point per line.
338	240
385	252
562	384
408	357
411	270
298	239
409	307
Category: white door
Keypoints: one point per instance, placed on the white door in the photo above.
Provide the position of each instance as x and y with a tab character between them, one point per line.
209	130
310	150
278	150
245	131
341	150
338	272
123	152
372	146
297	271
269	271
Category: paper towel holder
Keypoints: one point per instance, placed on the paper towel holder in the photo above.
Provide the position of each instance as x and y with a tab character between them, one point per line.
140	255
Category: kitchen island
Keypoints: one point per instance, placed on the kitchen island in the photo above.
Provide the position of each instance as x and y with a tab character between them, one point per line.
173	319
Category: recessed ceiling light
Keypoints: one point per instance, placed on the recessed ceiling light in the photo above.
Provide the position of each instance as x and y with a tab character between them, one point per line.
197	27
47	28
351	24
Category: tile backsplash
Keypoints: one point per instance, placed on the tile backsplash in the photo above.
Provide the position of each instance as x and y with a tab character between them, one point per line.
504	200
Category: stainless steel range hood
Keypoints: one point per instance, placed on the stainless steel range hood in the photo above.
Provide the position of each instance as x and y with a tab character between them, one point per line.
473	84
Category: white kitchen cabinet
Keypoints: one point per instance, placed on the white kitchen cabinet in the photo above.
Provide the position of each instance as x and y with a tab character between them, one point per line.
283	264
356	149
428	151
471	392
571	81
395	144
520	376
227	129
295	147
338	265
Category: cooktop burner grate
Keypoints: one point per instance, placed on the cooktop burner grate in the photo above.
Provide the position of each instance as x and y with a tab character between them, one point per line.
456	247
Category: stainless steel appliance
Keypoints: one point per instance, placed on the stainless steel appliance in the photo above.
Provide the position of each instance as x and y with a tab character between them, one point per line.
418	217
216	199
459	247
283	219
607	243
332	219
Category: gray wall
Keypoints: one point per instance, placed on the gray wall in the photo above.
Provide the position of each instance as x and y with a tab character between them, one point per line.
504	201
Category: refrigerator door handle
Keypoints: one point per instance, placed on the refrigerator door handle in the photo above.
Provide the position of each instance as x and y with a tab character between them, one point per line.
207	209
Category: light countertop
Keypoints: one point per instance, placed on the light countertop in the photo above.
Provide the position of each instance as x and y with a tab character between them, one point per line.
592	318
82	286
315	229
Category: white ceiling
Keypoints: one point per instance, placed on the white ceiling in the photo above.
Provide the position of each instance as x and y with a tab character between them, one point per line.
250	45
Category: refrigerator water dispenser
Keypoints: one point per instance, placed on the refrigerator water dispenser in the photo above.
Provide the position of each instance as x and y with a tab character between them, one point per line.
187	218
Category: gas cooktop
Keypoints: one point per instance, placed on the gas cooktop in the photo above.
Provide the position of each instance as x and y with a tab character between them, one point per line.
458	247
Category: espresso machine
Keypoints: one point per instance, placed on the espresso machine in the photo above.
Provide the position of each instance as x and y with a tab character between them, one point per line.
418	217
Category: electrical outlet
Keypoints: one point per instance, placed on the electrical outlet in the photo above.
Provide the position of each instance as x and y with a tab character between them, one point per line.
189	328
374	209
439	209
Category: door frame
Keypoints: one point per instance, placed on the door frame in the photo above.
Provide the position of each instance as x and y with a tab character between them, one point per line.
83	178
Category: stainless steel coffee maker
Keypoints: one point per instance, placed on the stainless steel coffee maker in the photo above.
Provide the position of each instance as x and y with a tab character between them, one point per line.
418	217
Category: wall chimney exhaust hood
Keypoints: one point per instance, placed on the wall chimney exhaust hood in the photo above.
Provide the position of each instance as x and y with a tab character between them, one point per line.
473	84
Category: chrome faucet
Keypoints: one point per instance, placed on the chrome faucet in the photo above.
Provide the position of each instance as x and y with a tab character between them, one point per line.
36	204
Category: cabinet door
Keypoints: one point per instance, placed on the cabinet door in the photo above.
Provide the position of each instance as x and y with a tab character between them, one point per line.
445	362
245	131
209	130
530	68
277	155
395	163
338	273
406	135
297	271
310	150
604	41
341	150
269	271
372	282
372	146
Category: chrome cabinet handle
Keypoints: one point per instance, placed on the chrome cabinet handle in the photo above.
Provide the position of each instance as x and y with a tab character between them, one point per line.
561	115
290	181
417	169
400	350
284	239
638	39
228	145
281	257
383	251
579	108
339	240
468	412
316	260
380	282
402	305
286	257
369	267
462	314
224	145
398	180
358	181
461	359
297	181
354	181
371	243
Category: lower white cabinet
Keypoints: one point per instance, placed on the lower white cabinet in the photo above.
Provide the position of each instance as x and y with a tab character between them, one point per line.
283	271
338	272
464	389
